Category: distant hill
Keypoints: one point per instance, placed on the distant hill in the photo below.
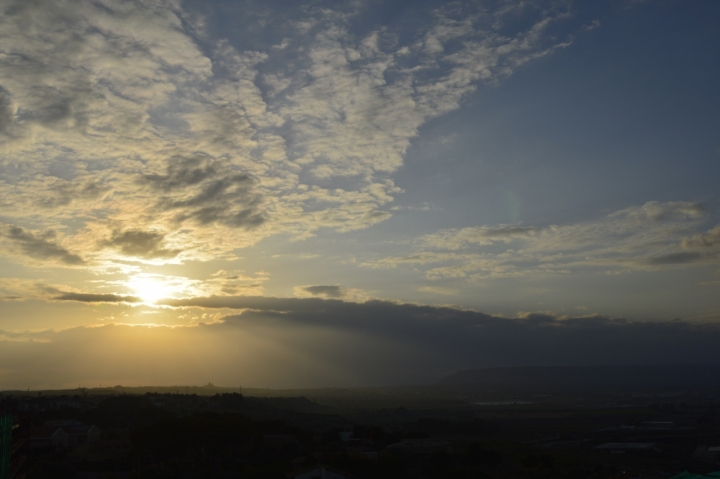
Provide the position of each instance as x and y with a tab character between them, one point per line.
589	378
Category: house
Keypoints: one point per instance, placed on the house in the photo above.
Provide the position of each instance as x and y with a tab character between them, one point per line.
48	437
78	433
6	427
82	434
707	453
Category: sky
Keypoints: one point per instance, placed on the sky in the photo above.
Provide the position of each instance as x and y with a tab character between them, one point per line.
354	193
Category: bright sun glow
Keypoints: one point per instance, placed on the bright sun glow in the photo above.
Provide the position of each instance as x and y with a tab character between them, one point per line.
150	288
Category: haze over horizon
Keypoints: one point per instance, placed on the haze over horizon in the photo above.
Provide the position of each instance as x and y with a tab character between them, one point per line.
347	193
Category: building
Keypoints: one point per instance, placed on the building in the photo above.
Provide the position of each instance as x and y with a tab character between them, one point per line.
48	437
14	428
707	453
6	427
82	434
78	433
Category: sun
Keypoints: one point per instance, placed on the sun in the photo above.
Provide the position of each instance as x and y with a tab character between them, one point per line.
150	288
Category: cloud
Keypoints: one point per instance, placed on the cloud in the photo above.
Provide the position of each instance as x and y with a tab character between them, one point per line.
658	211
484	235
653	235
238	283
675	258
428	324
367	98
65	192
294	342
324	291
704	241
208	191
232	140
438	290
41	247
591	26
141	244
332	292
461	337
97	298
6	115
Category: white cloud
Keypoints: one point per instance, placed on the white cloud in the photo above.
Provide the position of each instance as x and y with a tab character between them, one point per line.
654	235
331	292
484	235
97	96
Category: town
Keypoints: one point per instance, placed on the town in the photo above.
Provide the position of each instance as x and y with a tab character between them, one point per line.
436	431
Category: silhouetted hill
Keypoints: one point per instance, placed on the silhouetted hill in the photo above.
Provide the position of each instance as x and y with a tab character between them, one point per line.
589	378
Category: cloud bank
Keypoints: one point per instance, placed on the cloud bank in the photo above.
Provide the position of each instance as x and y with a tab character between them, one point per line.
297	342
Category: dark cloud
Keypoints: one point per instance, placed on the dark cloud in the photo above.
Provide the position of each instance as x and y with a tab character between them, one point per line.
208	191
141	244
241	288
97	298
42	247
456	338
65	192
6	113
62	110
292	342
246	219
183	172
324	291
675	258
262	303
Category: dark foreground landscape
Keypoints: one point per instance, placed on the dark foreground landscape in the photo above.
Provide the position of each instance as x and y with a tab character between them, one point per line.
555	422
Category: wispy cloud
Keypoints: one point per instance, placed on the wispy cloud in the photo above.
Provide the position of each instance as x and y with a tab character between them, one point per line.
484	235
653	235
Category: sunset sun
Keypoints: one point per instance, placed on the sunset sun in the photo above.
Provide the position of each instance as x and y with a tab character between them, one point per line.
150	288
